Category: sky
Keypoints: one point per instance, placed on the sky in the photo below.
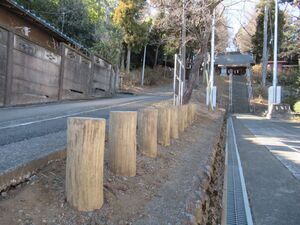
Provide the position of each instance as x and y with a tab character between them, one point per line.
237	12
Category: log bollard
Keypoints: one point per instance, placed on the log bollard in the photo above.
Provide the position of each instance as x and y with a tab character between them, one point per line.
181	118
185	116
190	113
147	131
122	143
84	167
174	122
194	111
163	126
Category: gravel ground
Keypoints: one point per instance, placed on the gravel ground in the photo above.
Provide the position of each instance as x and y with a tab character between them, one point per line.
183	185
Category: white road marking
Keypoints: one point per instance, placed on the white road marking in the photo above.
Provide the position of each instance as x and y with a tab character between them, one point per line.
68	115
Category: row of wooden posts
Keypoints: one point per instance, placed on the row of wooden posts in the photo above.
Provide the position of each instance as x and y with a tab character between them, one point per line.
86	143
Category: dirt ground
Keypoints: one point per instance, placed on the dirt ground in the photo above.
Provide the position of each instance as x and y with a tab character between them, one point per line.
160	193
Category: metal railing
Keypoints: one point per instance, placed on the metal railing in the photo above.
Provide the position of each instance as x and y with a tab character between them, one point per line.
178	85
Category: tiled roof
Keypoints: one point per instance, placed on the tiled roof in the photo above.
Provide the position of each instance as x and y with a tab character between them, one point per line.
234	59
45	24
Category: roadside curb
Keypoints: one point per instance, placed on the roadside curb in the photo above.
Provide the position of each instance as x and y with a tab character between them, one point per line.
23	172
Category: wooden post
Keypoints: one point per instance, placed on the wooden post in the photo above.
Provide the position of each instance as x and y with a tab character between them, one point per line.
163	126
181	118
122	143
190	114
194	107
185	116
84	169
147	131
174	122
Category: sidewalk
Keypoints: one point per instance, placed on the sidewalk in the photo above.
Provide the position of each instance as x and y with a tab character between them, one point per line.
270	158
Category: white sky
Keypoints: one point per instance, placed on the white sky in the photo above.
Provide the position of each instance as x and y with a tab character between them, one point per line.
237	12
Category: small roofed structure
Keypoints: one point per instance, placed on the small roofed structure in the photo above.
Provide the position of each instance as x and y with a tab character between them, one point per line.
236	61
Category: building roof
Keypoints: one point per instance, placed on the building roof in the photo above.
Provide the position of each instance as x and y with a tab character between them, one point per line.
22	11
234	59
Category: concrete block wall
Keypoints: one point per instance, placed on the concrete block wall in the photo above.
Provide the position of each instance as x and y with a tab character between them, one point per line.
36	71
30	73
3	63
76	75
101	77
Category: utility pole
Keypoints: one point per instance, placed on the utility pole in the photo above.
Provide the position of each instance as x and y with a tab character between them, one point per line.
183	47
274	92
63	21
275	50
143	70
211	90
212	52
265	47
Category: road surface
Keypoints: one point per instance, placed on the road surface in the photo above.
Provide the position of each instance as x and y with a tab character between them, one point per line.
31	132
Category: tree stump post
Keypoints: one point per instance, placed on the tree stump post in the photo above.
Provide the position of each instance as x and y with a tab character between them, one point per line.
122	142
147	131
164	126
174	122
84	166
194	111
181	118
185	115
190	113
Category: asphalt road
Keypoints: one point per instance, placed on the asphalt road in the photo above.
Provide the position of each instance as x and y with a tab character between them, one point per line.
30	132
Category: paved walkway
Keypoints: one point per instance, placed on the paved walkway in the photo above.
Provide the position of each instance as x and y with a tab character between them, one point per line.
269	153
270	157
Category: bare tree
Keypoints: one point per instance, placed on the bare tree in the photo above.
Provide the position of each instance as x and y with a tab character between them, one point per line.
198	29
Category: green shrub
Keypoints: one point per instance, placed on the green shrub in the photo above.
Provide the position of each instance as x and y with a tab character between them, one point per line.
297	107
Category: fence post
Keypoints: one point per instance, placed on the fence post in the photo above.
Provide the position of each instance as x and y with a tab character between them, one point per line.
147	131
122	142
9	68
84	168
164	126
62	71
174	122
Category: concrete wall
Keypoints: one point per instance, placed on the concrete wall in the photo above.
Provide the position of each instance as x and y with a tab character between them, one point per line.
76	75
31	73
36	71
102	76
3	62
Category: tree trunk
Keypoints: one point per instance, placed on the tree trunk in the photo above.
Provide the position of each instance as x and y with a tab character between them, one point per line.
156	55
122	60
128	59
265	47
122	143
164	126
147	131
174	122
84	167
194	71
